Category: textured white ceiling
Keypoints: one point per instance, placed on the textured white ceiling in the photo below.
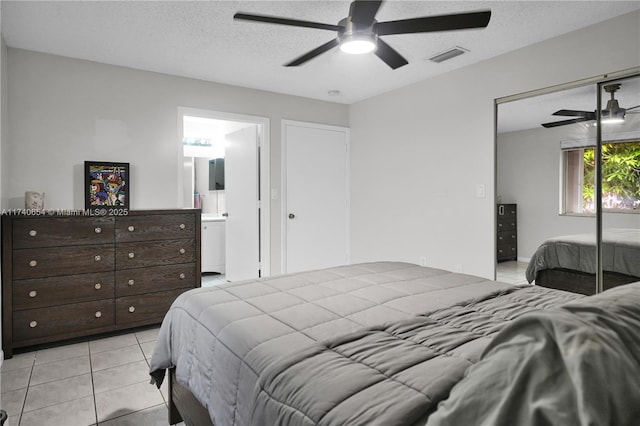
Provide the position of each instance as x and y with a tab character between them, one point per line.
200	39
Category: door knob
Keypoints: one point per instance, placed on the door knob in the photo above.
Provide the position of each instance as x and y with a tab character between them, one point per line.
291	215
225	214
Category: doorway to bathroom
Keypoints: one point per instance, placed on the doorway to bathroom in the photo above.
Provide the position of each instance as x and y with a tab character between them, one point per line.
225	172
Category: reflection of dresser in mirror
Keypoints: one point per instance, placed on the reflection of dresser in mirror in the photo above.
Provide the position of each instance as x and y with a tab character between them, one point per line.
213	246
507	228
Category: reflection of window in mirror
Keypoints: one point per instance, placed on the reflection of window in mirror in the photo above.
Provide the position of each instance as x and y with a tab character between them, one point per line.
620	178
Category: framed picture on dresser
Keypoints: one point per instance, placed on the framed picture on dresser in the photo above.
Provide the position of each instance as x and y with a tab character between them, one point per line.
106	185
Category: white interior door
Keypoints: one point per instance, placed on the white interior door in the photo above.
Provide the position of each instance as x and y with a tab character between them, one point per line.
241	198
315	196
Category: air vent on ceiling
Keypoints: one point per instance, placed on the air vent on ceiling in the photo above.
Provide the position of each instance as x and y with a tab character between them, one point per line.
448	54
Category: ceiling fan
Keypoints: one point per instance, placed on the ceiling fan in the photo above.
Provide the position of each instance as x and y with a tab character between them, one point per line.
360	32
611	114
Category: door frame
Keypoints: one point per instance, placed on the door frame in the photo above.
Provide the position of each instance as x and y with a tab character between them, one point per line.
283	180
264	171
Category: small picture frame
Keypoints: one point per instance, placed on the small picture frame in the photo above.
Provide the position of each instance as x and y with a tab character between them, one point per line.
106	186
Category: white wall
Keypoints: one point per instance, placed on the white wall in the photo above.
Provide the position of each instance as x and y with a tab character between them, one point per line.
419	152
64	111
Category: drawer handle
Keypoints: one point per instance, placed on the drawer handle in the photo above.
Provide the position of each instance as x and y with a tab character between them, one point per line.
131	228
33	233
131	282
33	324
98	314
33	263
182	276
499	225
98	230
132	255
182	251
33	293
182	226
499	238
132	309
513	237
98	286
97	258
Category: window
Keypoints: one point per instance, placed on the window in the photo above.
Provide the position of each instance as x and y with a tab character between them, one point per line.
620	178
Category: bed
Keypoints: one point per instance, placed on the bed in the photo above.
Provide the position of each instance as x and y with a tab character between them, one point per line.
568	262
381	343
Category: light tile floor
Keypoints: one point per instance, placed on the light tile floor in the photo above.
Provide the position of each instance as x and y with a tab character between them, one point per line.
101	381
512	272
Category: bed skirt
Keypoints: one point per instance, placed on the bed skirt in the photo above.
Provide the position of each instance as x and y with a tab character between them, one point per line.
580	282
183	406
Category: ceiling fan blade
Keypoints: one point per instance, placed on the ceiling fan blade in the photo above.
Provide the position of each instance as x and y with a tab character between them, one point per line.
633	107
565	122
363	12
285	21
427	24
313	53
575	113
389	55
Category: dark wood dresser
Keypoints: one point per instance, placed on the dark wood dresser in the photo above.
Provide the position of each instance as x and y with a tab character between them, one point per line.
507	233
68	276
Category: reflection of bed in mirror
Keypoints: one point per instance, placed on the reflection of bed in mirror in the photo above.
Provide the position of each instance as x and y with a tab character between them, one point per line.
569	262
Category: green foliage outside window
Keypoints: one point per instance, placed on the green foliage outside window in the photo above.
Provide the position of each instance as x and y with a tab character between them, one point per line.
621	176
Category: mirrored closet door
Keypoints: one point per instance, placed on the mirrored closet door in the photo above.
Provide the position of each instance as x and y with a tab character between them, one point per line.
619	157
568	186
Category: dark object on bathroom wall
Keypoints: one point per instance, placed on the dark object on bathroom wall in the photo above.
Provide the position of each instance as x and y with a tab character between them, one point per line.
216	174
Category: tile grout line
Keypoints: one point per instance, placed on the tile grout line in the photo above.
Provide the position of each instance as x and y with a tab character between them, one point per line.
26	392
93	385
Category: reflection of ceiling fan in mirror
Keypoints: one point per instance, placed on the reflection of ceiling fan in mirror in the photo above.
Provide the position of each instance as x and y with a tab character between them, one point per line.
360	32
611	114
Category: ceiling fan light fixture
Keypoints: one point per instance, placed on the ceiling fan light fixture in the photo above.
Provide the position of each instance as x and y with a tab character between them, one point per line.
612	119
613	113
358	44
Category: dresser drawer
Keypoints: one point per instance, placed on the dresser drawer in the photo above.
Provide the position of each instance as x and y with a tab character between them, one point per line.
64	319
507	237
507	210
45	262
506	224
154	227
51	291
155	253
62	231
507	251
155	278
150	307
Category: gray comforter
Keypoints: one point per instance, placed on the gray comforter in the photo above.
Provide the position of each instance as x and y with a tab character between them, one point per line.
378	343
575	365
620	247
